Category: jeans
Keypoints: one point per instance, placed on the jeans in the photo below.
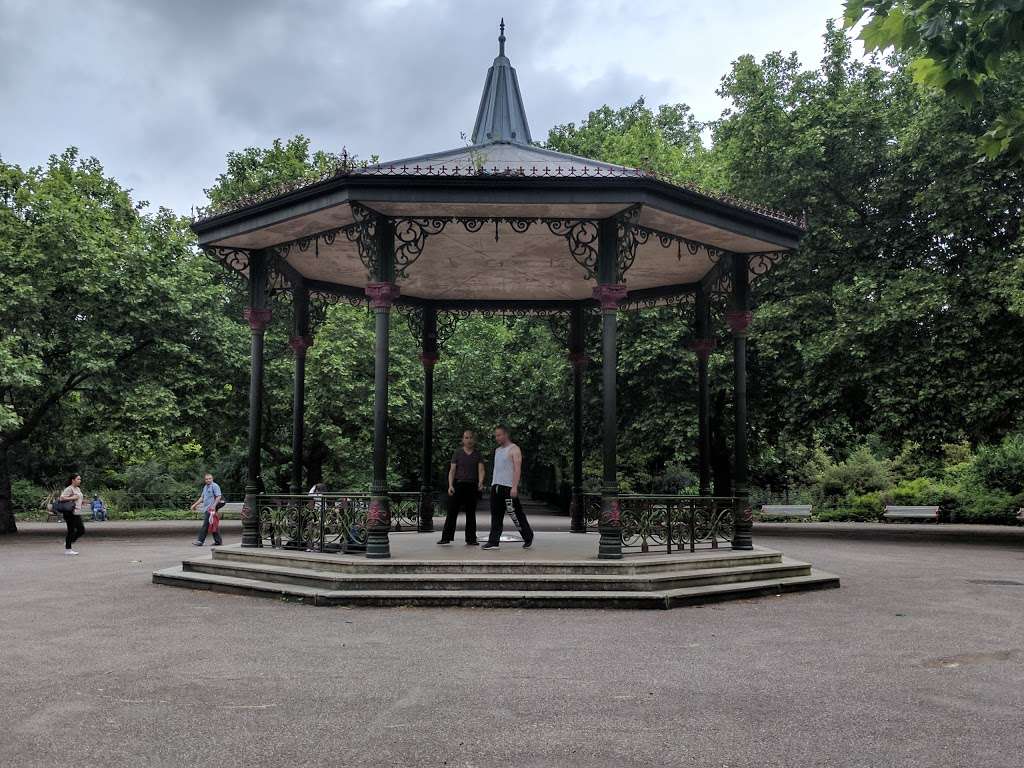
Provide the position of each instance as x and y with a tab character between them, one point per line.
99	515
75	528
202	531
499	493
463	500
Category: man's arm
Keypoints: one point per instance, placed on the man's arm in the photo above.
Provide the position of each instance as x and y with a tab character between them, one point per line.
451	479
517	470
481	471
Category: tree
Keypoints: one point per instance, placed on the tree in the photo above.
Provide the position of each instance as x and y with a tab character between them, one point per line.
957	47
102	304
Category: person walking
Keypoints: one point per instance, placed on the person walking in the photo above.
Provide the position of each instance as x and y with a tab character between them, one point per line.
99	509
508	469
465	484
208	501
70	507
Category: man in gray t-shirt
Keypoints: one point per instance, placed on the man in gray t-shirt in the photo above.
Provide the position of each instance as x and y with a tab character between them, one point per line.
465	482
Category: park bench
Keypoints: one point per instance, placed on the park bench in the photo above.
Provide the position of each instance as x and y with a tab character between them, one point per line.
893	512
792	511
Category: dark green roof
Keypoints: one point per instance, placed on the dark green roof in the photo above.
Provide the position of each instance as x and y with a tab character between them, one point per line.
501	116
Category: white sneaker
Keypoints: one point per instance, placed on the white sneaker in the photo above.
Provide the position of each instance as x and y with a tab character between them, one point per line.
70	552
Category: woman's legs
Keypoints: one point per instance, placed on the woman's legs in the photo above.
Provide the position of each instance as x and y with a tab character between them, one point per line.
75	528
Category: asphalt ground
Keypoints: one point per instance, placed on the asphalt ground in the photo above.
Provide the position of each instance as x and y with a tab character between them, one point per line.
918	660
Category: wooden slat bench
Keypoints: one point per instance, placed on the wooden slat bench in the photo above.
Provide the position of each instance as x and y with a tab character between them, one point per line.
893	512
794	511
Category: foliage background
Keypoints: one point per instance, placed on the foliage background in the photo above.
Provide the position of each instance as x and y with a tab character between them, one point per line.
885	364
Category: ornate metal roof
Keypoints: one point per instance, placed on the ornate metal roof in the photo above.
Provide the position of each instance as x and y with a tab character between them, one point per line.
501	116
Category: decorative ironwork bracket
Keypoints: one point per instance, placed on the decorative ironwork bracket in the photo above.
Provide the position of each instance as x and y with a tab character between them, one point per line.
626	241
760	264
364	235
411	236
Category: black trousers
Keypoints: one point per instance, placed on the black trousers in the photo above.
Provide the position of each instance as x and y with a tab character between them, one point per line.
75	528
463	500
499	494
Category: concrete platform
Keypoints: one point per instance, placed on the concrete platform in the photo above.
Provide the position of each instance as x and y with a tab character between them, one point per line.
560	571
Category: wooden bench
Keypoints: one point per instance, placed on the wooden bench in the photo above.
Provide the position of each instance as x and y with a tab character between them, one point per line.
793	511
893	512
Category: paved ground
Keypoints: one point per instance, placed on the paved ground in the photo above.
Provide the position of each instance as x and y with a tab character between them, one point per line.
917	661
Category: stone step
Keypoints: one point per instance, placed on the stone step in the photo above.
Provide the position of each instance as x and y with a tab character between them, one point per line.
177	576
353	564
328	580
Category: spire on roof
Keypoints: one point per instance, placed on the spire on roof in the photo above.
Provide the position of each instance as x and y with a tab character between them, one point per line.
501	116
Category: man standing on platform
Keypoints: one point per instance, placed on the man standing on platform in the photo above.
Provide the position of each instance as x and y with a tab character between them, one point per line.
465	484
508	468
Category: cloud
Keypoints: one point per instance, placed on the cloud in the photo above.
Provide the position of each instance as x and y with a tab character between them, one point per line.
160	92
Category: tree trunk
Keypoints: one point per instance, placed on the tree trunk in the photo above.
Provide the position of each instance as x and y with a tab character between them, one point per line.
7	524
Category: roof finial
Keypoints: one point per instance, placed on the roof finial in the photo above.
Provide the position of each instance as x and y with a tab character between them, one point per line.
501	37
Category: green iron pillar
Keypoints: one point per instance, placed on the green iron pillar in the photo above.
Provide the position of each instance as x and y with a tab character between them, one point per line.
609	293
578	360
429	359
300	341
382	294
739	318
258	316
703	345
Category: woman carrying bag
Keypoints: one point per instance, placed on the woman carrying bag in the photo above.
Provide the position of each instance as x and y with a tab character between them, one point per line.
70	506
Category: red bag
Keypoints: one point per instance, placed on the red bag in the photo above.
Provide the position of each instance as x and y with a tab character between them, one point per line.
214	525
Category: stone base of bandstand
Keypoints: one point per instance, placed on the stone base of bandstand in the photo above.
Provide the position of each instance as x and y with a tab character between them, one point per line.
560	571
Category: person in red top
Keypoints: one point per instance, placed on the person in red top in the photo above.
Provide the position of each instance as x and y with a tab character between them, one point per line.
465	483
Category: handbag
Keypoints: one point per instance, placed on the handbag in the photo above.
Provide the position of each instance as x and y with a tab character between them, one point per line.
214	525
63	507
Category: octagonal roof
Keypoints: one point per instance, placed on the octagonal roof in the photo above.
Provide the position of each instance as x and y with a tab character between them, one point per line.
498	212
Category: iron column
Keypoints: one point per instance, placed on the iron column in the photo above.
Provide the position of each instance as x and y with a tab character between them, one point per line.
258	315
578	360
702	346
300	341
429	358
382	294
739	318
609	293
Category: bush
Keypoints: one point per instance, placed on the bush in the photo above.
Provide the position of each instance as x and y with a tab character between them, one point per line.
863	507
28	498
1001	467
924	491
861	473
986	505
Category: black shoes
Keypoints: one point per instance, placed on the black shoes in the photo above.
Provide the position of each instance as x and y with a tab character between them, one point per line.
488	545
527	544
444	542
472	543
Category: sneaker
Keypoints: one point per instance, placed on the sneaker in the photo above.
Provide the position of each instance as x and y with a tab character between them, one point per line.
197	543
488	545
444	542
472	543
527	544
70	552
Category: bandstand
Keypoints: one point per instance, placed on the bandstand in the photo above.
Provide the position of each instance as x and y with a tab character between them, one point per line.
501	226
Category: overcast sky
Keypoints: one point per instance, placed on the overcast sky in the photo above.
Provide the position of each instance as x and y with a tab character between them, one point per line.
161	90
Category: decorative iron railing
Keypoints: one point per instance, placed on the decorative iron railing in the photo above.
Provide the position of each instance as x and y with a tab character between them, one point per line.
672	522
328	522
